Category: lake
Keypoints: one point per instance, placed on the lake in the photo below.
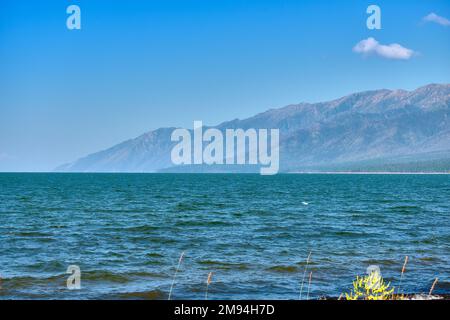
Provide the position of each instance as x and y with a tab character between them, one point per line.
254	233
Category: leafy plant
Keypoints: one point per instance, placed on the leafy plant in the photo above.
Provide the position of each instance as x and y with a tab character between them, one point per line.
370	287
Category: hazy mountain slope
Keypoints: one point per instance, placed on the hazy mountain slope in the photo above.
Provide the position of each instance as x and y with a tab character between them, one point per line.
146	153
380	124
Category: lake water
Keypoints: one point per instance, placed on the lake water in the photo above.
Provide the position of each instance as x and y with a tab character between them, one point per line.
127	231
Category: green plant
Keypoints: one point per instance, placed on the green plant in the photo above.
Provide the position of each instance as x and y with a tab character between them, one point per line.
370	287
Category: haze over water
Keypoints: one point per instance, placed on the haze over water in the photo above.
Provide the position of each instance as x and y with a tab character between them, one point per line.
127	231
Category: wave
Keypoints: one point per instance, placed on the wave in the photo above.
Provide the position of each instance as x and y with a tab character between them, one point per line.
144	295
224	265
283	269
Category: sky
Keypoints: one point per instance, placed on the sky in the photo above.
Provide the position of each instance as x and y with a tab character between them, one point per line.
135	66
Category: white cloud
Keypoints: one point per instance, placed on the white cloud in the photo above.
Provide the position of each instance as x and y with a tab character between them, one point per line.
433	17
392	51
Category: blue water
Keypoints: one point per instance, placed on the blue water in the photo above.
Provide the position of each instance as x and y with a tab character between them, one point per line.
127	231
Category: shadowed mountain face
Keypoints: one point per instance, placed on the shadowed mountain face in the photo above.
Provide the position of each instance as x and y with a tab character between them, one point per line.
381	127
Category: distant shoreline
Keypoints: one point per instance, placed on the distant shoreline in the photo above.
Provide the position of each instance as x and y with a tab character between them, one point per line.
374	173
238	173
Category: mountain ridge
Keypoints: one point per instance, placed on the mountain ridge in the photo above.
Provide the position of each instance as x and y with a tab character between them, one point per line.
362	126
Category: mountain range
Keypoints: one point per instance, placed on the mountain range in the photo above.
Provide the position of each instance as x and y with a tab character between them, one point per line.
379	130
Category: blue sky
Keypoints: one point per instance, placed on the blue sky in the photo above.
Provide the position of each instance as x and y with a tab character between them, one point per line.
139	65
